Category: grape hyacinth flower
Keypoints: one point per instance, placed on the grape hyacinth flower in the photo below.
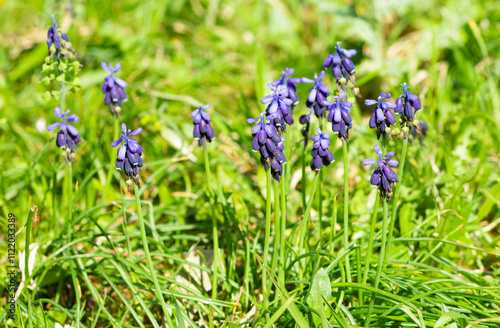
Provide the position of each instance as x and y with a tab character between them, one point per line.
383	177
202	128
317	95
278	111
321	155
305	120
68	136
129	155
269	144
342	67
419	130
58	42
407	105
382	116
340	116
113	89
290	83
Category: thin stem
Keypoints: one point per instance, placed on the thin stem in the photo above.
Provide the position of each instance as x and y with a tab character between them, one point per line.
26	263
304	178
125	229
320	190
277	225
333	226
116	132
396	194
62	96
149	262
281	276
215	230
69	181
346	210
380	261
370	240
307	213
266	237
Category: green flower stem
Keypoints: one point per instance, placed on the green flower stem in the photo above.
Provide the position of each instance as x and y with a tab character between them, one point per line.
277	225
266	236
396	194
26	264
370	239
304	178
116	133
149	262
69	181
380	261
215	230
125	229
346	210
320	190
333	225
281	275
307	213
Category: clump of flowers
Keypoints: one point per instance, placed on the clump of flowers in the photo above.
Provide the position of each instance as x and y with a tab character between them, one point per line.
67	137
407	105
279	111
289	83
202	129
113	89
318	94
382	116
342	67
383	177
269	144
321	155
340	116
129	155
58	42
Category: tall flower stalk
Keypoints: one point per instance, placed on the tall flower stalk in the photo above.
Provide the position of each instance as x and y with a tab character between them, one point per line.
129	158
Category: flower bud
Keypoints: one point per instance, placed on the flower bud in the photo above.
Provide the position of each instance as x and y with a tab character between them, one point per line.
342	80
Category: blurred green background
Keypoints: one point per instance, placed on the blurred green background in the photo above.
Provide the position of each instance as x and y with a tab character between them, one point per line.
178	54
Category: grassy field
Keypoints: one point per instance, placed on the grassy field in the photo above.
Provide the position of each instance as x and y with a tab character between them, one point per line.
97	260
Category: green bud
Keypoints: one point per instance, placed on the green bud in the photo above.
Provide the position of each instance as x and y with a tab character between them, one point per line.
118	109
61	78
46	80
356	90
129	182
68	151
47	59
405	129
62	65
342	80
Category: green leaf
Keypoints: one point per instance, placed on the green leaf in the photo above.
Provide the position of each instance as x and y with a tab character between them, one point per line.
320	288
449	316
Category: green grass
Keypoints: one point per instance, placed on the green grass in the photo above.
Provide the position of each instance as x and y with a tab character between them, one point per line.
443	267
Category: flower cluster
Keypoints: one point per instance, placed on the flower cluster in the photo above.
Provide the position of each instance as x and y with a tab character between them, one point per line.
68	136
342	67
382	116
318	94
113	89
290	83
340	116
407	105
58	42
278	110
321	155
202	129
383	177
129	155
269	144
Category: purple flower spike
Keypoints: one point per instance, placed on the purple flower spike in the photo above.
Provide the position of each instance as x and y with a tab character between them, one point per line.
280	107
68	136
58	42
290	83
113	89
269	144
383	177
321	155
342	67
129	155
340	116
382	116
202	128
407	105
317	95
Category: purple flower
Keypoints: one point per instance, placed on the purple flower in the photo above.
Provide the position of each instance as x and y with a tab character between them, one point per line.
305	120
68	136
290	83
321	155
383	177
202	128
269	144
279	109
129	155
340	116
382	115
419	130
342	67
317	95
58	42
406	105
113	89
